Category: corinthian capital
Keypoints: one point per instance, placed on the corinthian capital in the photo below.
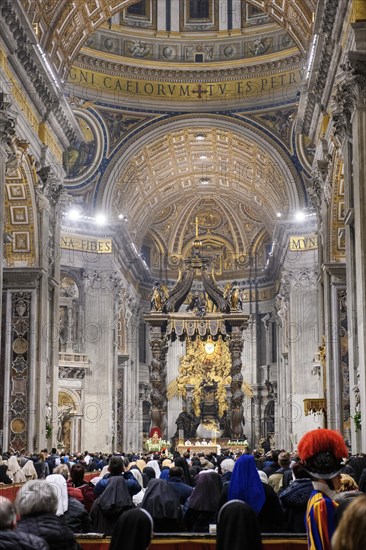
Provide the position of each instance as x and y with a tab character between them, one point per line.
7	121
350	95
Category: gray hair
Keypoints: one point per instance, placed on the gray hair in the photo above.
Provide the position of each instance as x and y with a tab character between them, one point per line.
63	470
7	514
35	497
227	465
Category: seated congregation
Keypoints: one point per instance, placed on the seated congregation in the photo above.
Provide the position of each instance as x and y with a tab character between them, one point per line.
241	498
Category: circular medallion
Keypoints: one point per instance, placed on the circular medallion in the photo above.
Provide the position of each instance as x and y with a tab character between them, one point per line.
17	425
20	345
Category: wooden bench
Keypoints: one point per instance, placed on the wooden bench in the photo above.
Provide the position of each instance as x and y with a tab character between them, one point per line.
192	541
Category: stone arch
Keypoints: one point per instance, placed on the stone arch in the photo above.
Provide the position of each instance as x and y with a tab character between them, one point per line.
21	223
64	26
69	406
241	128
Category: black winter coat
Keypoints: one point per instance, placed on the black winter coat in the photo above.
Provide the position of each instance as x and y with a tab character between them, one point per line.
294	501
76	517
17	540
50	528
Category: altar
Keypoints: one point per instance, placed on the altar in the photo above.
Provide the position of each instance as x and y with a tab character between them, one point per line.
206	449
196	445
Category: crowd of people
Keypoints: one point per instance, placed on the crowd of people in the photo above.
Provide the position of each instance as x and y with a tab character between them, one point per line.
314	491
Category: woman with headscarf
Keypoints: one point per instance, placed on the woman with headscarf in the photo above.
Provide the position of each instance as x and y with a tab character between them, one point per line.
180	462
154	464
29	470
133	531
59	483
237	527
162	503
147	475
113	502
245	485
137	499
203	504
4	478
14	470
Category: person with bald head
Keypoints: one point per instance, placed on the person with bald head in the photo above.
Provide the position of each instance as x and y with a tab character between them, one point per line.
10	537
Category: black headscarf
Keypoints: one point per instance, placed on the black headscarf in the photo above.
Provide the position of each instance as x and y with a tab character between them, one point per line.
160	500
147	474
237	527
182	463
133	531
207	492
4	478
115	496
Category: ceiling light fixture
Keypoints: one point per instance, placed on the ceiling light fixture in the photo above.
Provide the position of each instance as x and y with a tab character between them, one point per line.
200	137
205	181
300	216
100	219
74	214
203	157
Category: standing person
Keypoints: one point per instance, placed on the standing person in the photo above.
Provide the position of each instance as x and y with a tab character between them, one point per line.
133	531
41	466
321	452
162	503
203	504
14	470
116	467
113	502
237	527
294	499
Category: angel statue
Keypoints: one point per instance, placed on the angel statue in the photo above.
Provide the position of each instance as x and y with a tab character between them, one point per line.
156	301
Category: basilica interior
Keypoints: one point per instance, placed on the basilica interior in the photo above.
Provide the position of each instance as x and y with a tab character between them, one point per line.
182	222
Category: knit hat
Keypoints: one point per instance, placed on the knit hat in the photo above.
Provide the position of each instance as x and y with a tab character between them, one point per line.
321	452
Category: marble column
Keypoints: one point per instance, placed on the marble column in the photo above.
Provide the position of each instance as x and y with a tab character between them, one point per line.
158	396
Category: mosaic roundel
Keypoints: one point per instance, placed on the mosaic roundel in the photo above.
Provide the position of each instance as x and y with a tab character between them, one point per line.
83	157
17	425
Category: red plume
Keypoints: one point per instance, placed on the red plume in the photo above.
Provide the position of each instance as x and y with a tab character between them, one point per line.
320	440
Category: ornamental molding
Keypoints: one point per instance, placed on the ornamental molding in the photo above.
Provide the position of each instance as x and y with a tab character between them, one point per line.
84	61
25	53
350	95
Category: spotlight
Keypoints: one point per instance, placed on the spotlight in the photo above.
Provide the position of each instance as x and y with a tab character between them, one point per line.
200	137
278	214
74	214
100	219
300	216
205	181
203	157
